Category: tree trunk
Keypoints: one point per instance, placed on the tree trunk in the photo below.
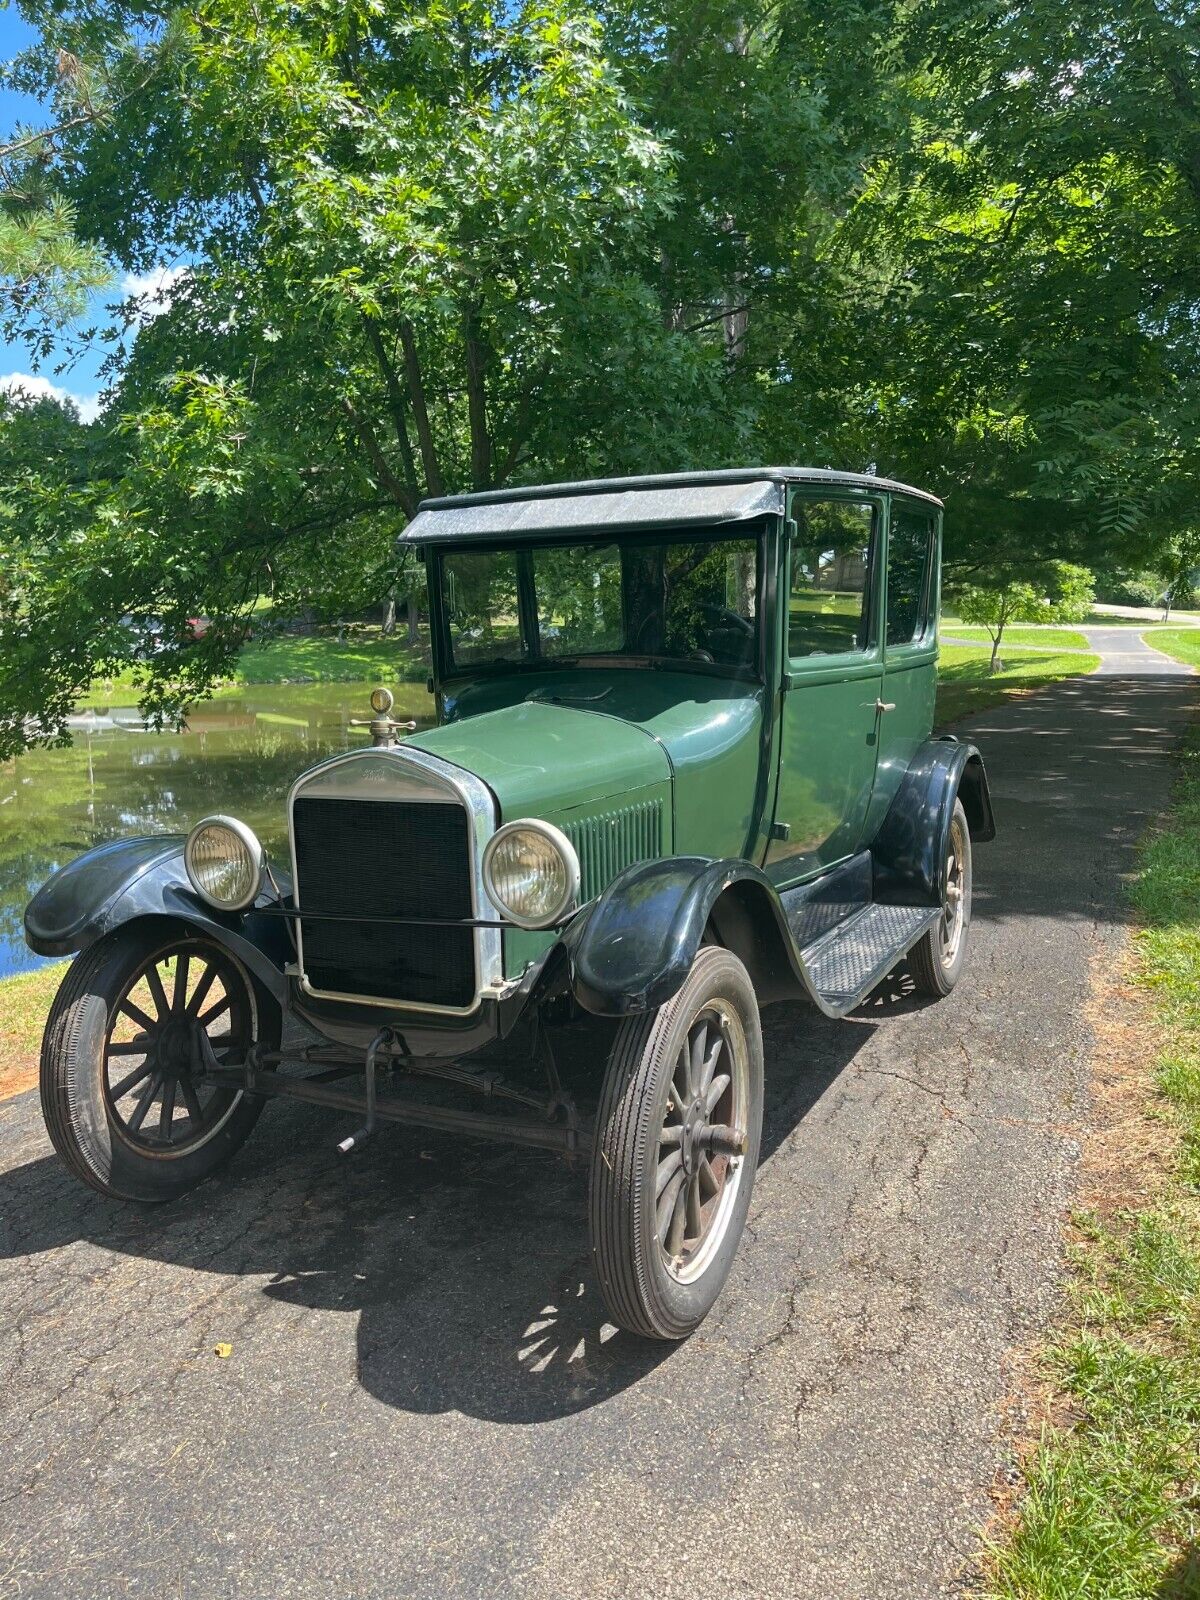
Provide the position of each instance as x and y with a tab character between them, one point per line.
996	637
413	608
481	442
416	393
389	615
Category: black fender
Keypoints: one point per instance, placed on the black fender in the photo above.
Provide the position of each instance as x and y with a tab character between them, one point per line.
135	878
909	851
632	947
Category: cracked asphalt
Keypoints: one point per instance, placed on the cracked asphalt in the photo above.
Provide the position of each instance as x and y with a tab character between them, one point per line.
422	1398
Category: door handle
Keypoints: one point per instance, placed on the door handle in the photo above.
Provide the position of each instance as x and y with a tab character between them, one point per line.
879	705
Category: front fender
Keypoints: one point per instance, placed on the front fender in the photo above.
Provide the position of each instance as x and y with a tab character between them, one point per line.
909	851
133	878
632	948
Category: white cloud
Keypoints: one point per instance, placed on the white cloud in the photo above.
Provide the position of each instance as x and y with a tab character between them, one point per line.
152	290
31	386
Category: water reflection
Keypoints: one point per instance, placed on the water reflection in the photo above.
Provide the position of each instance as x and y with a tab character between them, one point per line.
237	754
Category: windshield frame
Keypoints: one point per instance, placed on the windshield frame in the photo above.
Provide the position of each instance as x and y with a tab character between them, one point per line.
447	670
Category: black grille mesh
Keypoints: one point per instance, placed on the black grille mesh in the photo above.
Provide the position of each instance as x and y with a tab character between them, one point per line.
385	858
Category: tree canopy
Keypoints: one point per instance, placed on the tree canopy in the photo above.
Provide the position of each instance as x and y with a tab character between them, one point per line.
434	247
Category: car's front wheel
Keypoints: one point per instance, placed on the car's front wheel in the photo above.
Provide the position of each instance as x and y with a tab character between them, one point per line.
677	1136
124	1091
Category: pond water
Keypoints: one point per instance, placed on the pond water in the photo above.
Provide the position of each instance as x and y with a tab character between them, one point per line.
237	754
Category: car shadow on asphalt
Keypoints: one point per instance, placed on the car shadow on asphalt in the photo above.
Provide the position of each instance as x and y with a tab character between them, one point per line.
467	1264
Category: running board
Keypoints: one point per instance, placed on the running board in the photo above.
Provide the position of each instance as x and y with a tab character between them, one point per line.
846	941
848	963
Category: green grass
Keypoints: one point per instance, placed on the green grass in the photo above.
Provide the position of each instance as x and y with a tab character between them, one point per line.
1112	1509
362	655
966	685
1181	644
24	1002
1043	638
324	660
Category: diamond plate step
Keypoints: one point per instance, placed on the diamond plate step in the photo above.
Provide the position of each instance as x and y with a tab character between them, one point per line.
847	964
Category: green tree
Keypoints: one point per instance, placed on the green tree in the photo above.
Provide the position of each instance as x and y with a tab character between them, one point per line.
418	248
1001	597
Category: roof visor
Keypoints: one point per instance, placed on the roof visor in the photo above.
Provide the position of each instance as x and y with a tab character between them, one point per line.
691	505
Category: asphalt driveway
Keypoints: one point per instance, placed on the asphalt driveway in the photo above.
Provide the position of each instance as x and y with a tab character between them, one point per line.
422	1399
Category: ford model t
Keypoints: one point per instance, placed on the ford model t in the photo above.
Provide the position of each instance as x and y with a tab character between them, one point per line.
682	768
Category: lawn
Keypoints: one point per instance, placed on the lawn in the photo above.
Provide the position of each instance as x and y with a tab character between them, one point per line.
965	684
362	655
24	1002
1042	638
1181	644
1110	1510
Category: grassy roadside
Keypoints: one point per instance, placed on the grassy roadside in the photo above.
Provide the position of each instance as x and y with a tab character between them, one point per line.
1038	638
1181	644
965	684
1112	1503
24	1003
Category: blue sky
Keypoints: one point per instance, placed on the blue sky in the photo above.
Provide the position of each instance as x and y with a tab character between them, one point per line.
17	370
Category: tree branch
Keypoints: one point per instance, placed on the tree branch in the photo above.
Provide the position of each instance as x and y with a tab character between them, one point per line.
481	442
404	497
395	394
416	394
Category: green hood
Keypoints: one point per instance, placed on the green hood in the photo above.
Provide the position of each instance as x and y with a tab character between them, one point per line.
555	762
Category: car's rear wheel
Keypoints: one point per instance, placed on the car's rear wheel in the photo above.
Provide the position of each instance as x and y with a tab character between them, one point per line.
677	1136
937	961
123	1084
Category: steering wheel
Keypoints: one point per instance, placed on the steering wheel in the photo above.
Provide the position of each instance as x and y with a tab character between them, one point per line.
726	617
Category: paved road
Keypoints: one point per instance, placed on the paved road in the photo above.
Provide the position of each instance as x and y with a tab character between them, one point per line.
423	1400
1125	653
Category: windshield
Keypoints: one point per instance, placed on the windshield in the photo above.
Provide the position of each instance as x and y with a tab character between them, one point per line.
692	600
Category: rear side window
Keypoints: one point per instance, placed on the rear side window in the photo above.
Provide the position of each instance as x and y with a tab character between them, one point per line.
829	605
910	552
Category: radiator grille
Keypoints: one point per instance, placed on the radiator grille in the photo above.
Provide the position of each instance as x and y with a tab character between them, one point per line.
609	843
385	858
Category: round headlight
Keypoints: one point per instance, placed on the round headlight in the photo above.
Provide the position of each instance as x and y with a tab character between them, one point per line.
224	862
531	872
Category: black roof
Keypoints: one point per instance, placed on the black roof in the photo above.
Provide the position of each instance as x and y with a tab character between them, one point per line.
696	498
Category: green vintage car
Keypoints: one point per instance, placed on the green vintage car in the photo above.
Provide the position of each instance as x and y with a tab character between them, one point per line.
682	768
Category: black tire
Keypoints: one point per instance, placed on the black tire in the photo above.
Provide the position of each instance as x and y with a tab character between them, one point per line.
103	1139
652	1282
936	963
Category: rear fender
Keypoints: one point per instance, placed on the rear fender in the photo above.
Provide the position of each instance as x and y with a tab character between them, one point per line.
909	851
632	948
131	879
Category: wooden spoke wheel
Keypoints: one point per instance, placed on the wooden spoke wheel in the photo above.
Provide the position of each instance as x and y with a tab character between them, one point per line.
677	1136
137	1022
937	961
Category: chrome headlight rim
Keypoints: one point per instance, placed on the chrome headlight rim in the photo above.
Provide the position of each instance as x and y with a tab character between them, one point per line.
566	851
247	837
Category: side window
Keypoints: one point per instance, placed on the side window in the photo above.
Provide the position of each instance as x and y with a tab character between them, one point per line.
910	547
829	606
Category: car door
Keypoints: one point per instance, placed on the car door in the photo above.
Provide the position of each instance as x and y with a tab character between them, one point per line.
909	632
831	684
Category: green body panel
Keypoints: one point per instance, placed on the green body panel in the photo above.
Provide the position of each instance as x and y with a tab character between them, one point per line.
670	766
828	747
708	729
828	735
548	761
567	766
910	688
